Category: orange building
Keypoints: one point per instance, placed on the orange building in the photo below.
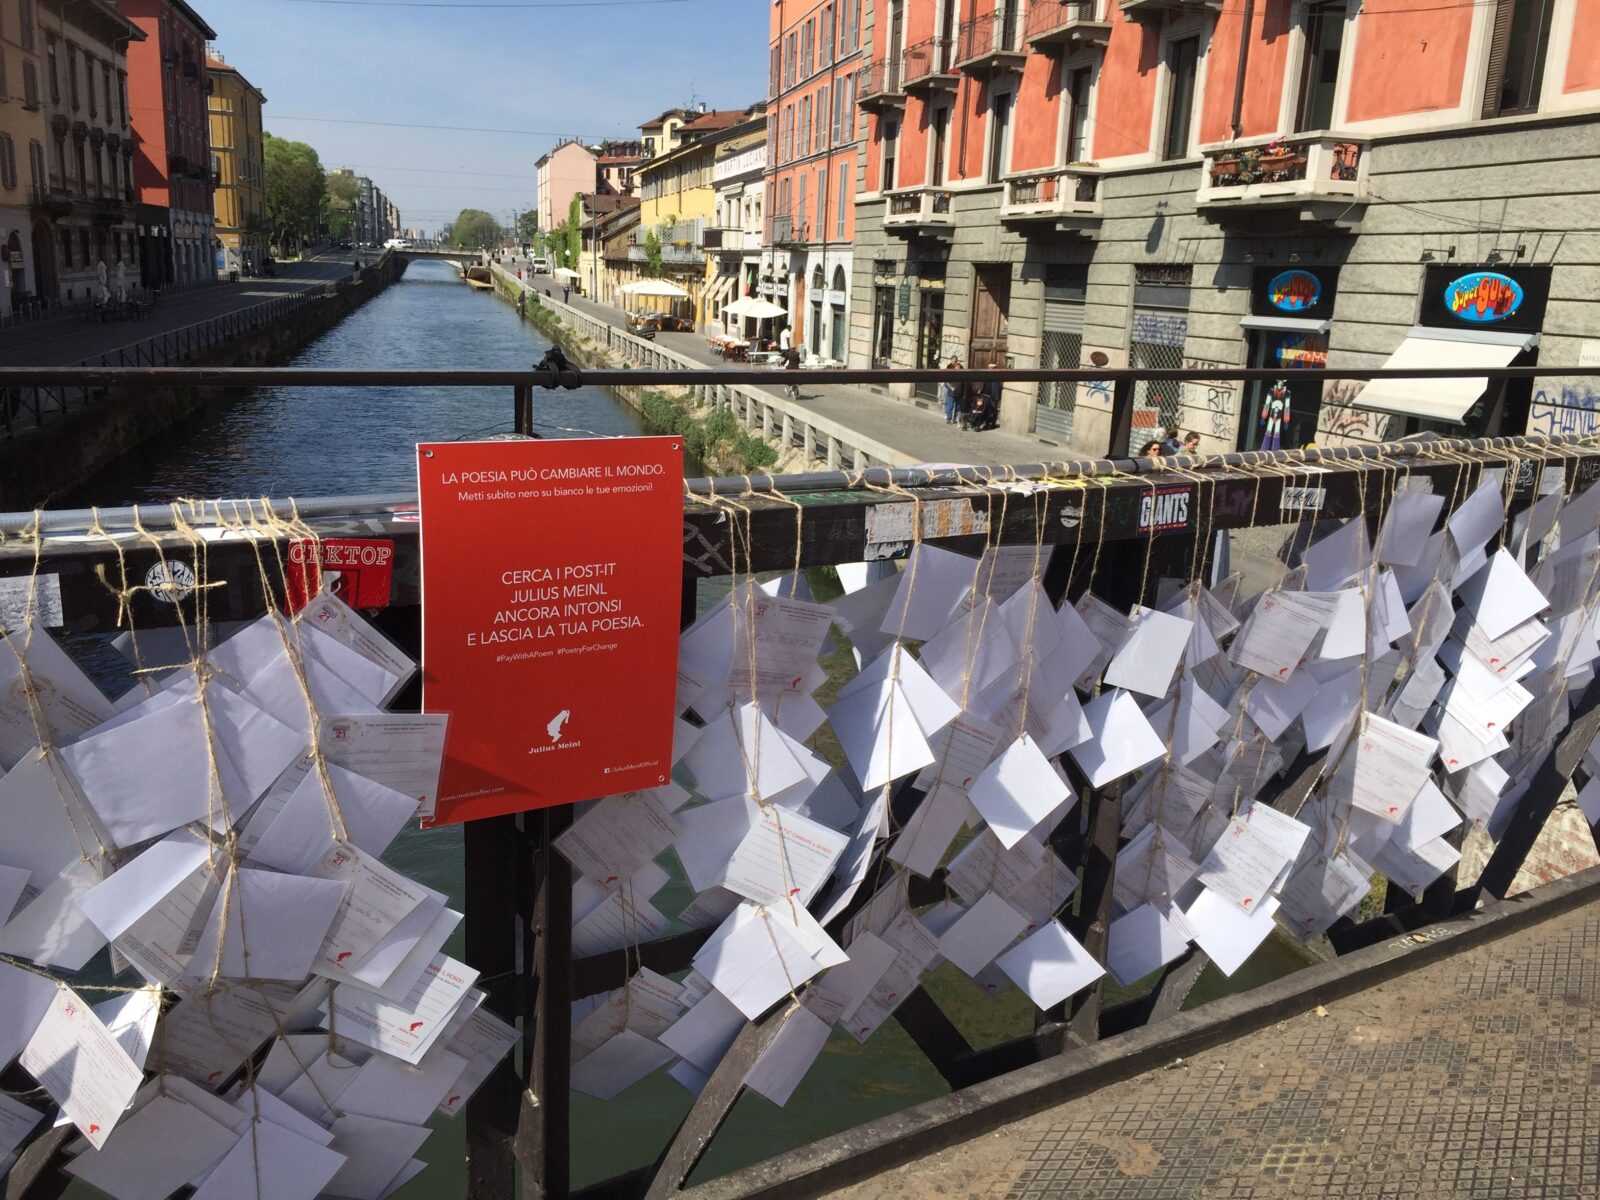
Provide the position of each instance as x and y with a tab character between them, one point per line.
814	156
1279	183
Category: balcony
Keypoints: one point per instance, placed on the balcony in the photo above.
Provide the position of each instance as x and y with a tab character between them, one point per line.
786	231
1155	10
1061	200
728	241
1315	178
1062	26
990	42
919	210
54	201
878	86
928	67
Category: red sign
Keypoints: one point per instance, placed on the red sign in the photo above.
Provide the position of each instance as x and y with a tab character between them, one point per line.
360	571
551	576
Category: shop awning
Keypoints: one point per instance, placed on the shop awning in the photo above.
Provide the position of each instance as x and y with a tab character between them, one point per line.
1441	399
1296	324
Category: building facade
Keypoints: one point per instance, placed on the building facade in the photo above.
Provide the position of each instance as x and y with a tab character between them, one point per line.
24	177
615	163
85	211
735	241
239	167
565	172
678	201
816	59
167	86
1156	183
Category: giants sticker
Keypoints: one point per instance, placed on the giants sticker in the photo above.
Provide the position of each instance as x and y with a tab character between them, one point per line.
1164	510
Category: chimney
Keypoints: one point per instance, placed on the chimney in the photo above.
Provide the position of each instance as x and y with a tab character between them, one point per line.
702	106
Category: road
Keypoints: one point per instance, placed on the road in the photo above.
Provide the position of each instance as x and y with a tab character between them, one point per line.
68	340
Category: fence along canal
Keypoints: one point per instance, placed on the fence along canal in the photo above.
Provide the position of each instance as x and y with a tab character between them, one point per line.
1095	531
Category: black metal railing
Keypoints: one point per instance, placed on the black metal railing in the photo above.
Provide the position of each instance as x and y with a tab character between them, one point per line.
879	81
517	922
927	61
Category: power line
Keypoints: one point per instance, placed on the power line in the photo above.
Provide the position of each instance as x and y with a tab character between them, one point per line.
407	125
477	4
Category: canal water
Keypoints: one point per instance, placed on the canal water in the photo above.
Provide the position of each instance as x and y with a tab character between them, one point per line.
318	442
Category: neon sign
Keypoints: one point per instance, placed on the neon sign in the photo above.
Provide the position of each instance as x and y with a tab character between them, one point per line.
1483	297
1294	291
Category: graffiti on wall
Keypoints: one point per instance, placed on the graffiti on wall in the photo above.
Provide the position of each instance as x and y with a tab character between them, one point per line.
1339	422
1567	410
1215	396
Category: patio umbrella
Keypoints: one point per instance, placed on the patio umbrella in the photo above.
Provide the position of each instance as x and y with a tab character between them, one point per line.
756	308
655	287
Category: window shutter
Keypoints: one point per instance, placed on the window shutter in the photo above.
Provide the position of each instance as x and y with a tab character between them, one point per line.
1499	50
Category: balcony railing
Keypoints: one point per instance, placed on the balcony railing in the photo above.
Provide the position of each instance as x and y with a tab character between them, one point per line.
1063	197
1061	25
1284	173
991	41
919	208
928	65
878	86
728	240
786	231
1141	10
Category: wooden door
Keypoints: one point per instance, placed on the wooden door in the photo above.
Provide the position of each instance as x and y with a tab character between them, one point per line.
991	305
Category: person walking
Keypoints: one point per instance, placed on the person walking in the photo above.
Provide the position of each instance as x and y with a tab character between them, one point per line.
566	294
950	393
791	362
1173	442
1191	444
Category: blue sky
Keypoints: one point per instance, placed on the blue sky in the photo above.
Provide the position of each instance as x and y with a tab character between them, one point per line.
592	71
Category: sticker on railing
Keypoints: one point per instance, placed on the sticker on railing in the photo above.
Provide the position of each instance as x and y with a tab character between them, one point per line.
890	526
46	602
170	581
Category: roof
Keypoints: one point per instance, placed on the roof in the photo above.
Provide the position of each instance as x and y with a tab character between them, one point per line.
222	66
606	202
658	122
710	122
195	19
557	149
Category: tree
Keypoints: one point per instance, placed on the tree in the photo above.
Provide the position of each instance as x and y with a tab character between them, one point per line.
341	200
475	229
652	254
528	226
571	234
296	189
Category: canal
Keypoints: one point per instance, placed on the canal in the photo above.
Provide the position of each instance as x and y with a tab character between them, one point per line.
285	442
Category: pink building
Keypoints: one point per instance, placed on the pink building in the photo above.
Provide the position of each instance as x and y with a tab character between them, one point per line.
564	172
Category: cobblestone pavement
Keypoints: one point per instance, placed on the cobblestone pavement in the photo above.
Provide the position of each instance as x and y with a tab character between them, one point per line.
1477	1078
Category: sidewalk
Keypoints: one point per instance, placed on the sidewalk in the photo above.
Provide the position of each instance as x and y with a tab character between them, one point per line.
917	430
68	340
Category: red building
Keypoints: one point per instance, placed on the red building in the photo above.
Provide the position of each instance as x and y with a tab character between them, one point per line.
1273	183
813	160
167	89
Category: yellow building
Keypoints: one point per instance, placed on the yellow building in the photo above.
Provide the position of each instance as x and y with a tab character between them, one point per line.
678	201
239	164
22	159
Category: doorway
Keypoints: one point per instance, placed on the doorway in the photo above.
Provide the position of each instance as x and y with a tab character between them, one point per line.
1283	413
991	306
44	263
1319	76
930	337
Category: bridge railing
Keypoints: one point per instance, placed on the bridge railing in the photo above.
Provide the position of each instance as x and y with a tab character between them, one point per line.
1090	522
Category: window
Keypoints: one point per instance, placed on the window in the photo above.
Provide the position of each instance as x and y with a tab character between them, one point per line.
800	210
72	76
1183	58
941	126
1078	115
808	53
825	36
36	164
4	91
855	24
83	246
122	98
891	143
1319	76
823	103
30	86
66	249
805	125
786	151
1517	47
105	81
844	201
790	53
83	172
999	130
774	83
99	172
55	77
25	12
8	162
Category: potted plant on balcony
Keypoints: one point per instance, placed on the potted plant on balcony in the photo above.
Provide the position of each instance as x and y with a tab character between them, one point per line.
1278	158
1225	168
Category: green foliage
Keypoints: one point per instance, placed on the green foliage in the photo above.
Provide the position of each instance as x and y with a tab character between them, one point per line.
528	226
652	254
572	234
295	189
475	229
715	439
341	196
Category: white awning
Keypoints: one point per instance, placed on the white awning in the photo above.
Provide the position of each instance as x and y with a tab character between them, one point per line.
1441	399
655	287
1293	324
752	306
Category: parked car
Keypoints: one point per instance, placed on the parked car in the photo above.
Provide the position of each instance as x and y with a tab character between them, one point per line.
541	266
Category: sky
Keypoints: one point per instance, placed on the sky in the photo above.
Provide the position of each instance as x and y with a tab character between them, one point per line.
587	68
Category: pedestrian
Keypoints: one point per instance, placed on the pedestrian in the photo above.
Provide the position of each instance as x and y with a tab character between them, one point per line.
950	393
566	294
1173	442
992	393
1191	443
791	362
785	339
1151	450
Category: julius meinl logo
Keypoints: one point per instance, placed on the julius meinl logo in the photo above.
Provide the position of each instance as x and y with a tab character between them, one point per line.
1164	509
554	728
